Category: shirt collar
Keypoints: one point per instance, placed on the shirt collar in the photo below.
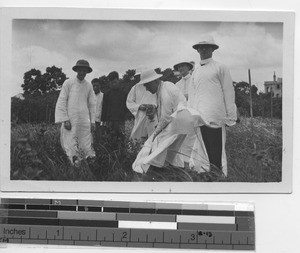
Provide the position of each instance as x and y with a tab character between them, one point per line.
206	61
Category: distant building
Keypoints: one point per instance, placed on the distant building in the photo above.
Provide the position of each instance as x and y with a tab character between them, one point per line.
274	86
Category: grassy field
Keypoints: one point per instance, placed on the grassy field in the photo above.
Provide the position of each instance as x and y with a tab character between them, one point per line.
254	154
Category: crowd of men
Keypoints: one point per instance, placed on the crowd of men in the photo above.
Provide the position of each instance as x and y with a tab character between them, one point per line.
182	124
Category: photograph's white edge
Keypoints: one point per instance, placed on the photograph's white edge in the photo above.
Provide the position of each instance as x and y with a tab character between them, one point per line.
7	14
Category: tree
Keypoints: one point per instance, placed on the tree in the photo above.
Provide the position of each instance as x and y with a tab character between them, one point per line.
54	78
168	75
32	81
36	83
128	80
242	98
128	77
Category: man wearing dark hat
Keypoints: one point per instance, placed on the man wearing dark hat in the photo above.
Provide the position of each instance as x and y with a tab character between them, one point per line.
184	69
75	109
212	94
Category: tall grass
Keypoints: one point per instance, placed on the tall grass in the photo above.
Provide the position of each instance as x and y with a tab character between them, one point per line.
36	154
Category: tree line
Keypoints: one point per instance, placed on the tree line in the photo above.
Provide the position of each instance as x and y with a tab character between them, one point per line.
41	91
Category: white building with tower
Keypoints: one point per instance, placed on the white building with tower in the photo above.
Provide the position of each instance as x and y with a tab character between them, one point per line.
274	86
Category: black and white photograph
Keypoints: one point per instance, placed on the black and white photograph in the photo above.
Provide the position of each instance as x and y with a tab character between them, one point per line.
147	101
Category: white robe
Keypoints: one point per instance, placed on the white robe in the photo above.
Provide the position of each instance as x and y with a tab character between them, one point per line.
188	144
137	96
183	84
98	110
211	93
76	102
166	145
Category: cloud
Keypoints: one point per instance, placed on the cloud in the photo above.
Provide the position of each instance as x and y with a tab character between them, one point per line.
123	45
247	45
36	57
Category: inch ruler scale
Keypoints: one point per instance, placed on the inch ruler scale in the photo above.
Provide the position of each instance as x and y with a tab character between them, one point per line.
127	224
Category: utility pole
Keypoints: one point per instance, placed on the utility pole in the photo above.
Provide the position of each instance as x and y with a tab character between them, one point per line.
271	107
251	109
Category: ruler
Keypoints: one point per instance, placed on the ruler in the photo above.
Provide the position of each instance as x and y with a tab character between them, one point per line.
128	224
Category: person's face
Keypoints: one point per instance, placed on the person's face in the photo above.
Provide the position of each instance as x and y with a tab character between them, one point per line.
152	86
183	69
115	83
81	73
205	51
96	87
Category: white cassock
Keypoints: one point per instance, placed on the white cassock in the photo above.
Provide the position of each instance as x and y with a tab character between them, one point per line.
76	102
183	84
137	96
211	94
98	110
167	144
188	144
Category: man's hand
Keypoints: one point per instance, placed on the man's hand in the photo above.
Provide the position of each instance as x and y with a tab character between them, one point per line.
150	112
67	125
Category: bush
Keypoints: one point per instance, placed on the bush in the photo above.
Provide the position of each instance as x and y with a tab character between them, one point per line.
34	109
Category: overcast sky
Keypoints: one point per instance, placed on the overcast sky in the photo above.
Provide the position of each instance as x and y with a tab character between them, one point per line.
121	45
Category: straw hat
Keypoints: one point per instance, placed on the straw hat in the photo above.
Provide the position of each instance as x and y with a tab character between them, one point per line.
190	65
208	40
82	63
149	76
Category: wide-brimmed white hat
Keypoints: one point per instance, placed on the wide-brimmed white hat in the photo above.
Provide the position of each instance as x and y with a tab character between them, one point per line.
149	76
188	63
207	40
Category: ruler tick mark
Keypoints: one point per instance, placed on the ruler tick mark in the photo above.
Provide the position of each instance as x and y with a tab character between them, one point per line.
51	235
